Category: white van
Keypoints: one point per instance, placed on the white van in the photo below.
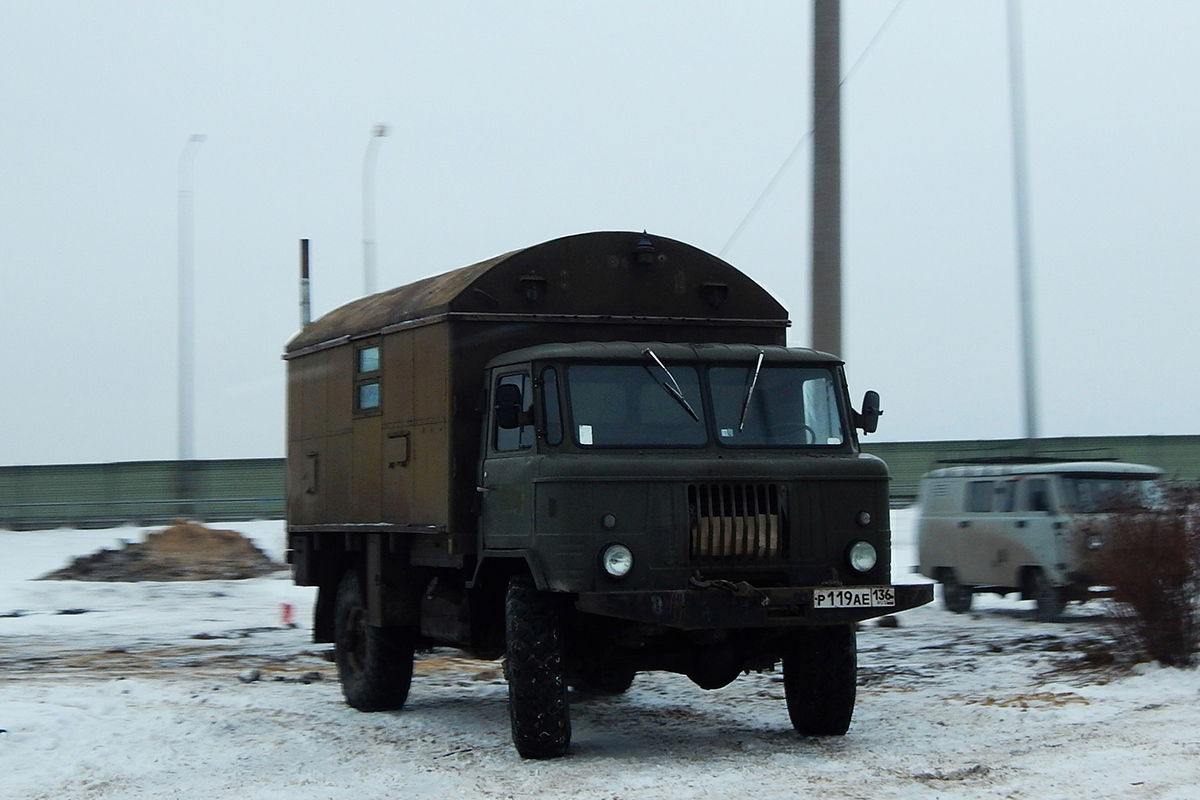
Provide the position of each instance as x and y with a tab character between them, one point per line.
1017	527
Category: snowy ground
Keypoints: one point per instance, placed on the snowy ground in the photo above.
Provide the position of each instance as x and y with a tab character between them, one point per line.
144	690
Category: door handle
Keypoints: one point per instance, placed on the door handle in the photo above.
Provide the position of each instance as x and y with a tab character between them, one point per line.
964	524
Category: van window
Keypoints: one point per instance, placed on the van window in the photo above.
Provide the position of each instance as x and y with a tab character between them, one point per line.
1037	495
1006	496
979	496
1096	493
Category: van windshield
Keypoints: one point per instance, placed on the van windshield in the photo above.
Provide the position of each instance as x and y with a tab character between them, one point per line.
1089	494
659	404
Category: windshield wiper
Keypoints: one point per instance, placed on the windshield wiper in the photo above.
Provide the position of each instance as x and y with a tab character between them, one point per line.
673	387
750	392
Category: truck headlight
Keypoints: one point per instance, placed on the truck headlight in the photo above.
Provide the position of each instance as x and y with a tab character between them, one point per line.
862	556
617	560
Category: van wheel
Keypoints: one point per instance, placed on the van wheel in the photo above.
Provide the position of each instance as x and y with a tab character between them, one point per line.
536	670
1049	598
819	680
374	664
955	596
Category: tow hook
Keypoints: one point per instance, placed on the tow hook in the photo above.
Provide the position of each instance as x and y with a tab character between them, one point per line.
739	589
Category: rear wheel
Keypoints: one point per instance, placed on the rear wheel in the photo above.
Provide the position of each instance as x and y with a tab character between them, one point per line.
536	669
955	596
374	664
1049	598
819	680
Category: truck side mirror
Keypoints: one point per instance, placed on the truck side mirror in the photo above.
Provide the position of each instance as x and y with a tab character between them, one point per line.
868	420
508	406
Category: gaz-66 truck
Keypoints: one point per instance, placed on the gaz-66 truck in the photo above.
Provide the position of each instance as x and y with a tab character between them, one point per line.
594	457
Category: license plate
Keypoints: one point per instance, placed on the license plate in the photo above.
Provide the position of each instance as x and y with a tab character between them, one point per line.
855	597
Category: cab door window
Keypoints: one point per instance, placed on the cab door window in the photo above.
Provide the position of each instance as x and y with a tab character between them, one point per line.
512	417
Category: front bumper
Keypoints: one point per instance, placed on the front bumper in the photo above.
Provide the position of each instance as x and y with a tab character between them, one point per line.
734	606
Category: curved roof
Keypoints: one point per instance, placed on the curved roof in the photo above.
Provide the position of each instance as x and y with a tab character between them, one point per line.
1115	468
604	276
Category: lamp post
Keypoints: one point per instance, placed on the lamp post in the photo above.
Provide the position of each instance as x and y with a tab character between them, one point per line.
187	321
377	135
1016	66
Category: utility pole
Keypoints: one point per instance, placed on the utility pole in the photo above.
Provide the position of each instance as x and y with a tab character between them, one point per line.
369	274
827	179
187	301
1021	197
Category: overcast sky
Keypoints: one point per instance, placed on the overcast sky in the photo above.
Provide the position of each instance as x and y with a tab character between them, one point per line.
514	123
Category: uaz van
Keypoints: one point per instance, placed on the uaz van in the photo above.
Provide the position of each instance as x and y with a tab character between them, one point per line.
1022	527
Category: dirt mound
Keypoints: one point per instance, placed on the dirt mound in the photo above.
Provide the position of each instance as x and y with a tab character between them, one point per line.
182	552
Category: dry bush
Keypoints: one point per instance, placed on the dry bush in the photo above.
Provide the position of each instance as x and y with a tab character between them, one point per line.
1151	559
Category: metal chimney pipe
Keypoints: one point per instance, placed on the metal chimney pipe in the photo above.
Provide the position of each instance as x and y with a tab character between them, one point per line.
305	298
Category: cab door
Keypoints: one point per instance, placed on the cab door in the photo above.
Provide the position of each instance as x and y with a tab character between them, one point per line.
509	461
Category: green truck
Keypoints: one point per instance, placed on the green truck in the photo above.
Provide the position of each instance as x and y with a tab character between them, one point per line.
595	456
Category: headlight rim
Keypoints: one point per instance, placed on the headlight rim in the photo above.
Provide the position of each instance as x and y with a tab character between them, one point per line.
856	550
606	562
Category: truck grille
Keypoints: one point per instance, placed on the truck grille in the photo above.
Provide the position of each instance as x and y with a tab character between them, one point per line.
743	521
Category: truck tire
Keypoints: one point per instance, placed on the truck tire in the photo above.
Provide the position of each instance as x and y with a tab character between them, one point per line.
536	670
819	680
374	664
1049	598
955	597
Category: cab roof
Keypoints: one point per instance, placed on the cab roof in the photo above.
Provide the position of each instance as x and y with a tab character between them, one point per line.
667	351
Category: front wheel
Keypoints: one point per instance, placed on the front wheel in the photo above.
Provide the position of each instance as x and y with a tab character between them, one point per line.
820	674
1049	598
374	664
536	669
955	597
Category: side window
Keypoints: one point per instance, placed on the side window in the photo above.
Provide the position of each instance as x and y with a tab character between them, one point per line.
367	399
551	410
1006	496
520	436
1037	494
979	496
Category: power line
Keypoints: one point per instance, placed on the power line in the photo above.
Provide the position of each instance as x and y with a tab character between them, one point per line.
803	139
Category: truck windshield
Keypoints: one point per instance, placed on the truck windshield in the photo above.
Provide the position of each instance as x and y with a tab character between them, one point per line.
789	406
656	405
1089	494
627	405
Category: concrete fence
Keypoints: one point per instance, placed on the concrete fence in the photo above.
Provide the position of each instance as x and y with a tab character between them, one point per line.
159	492
140	493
